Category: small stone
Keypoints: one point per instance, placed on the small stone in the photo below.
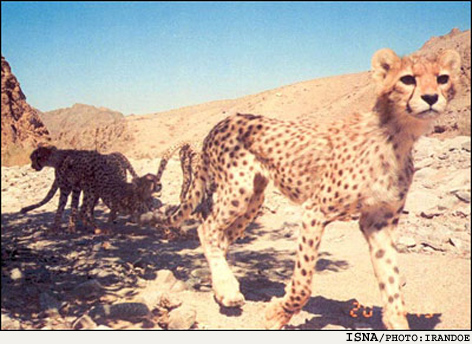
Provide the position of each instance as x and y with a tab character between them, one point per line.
202	273
9	324
420	200
463	196
457	143
16	274
165	277
169	301
458	180
88	290
125	311
84	322
49	305
466	146
182	318
427	184
406	241
443	156
146	218
432	212
179	286
457	243
428	246
129	311
423	163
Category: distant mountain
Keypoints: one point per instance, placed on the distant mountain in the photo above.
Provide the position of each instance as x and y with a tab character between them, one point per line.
314	102
78	117
22	128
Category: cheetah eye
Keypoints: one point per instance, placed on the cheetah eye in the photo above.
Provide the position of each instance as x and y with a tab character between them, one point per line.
443	79
408	80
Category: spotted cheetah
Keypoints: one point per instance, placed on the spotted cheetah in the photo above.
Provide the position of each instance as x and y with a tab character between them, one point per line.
76	171
121	161
361	165
119	196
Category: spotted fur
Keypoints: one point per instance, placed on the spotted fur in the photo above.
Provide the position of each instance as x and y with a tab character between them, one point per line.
121	163
76	171
360	165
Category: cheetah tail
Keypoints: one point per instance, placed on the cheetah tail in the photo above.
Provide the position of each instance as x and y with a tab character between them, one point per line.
128	166
194	197
46	199
166	157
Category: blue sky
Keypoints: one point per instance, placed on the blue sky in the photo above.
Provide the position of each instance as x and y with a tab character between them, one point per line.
144	57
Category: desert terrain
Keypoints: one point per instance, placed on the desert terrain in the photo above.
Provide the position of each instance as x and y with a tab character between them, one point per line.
139	278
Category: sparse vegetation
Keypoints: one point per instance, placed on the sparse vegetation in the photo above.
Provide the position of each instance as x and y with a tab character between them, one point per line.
16	156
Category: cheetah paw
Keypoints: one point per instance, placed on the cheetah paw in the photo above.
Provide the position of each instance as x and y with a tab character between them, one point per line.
234	300
226	290
98	231
276	317
395	321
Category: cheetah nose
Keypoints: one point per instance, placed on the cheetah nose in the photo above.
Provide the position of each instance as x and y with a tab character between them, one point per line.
430	98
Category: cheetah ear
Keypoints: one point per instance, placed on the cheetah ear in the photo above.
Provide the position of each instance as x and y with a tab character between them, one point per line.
450	60
383	61
45	144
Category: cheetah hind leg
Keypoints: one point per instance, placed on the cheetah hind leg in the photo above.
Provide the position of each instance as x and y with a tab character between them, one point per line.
221	228
87	211
225	286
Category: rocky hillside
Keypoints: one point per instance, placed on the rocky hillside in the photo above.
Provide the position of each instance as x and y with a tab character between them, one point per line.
88	127
313	101
104	138
78	117
22	128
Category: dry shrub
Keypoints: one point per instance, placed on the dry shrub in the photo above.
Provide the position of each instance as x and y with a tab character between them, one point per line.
16	156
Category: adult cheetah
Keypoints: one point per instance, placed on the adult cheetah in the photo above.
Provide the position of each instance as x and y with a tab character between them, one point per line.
360	165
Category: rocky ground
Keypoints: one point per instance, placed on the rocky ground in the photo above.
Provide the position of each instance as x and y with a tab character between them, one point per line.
136	278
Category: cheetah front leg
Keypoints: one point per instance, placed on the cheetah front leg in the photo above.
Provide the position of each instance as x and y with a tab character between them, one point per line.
74	210
89	202
64	194
376	226
298	291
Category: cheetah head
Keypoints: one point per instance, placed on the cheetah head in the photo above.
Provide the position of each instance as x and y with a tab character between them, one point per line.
40	156
147	185
416	87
